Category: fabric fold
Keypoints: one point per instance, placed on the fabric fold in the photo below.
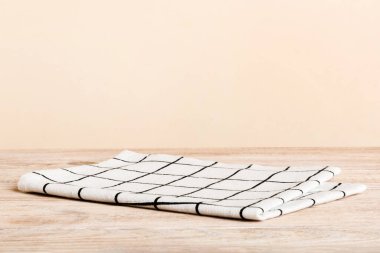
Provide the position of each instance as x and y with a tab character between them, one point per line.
190	185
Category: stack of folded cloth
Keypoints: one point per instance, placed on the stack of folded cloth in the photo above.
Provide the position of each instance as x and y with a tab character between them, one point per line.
189	185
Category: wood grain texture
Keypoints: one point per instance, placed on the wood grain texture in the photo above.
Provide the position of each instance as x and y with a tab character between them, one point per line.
33	222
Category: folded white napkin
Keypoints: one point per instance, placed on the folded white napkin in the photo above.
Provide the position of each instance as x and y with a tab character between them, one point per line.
183	184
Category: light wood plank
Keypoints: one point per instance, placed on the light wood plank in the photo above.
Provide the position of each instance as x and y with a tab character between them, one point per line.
32	222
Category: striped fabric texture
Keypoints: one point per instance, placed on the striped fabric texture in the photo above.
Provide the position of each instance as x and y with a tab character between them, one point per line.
189	185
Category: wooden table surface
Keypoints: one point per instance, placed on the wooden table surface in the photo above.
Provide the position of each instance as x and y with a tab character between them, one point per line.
33	222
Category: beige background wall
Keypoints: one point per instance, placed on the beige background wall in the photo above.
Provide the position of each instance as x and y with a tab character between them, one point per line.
100	74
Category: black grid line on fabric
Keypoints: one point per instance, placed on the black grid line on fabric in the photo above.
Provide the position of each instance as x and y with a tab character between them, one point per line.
305	197
335	187
198	203
171	195
313	200
146	174
256	185
239	192
42	175
160	161
79	192
115	158
163	195
155	202
118	167
44	188
168	195
331	189
181	186
216	178
205	167
109	169
168	174
116	196
344	193
188	176
188	187
197	208
177	186
86	176
189	164
290	188
160	203
221	180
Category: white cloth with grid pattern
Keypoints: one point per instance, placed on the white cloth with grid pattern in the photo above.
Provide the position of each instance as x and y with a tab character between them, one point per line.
189	185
